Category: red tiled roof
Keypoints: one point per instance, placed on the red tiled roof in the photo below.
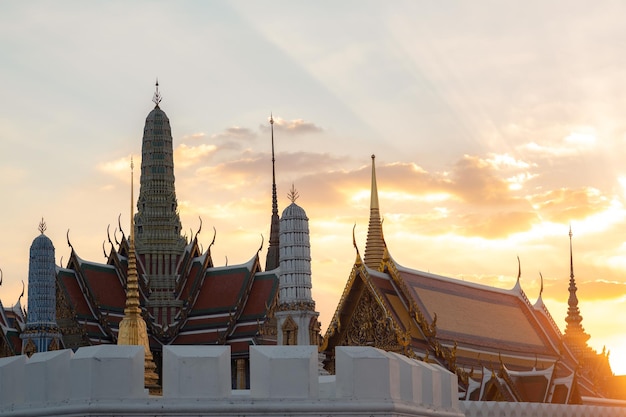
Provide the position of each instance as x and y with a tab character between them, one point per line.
222	290
261	296
74	293
105	286
477	314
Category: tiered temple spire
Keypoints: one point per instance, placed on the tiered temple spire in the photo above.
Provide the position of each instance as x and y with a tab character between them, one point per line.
132	328
375	244
42	332
272	260
575	334
296	315
158	229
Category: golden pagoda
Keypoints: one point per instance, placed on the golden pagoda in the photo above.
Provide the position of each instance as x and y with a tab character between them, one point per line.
132	328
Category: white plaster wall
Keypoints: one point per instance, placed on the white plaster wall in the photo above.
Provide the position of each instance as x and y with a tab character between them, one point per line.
108	381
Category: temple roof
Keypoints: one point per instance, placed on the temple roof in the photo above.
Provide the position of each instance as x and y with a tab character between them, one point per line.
221	304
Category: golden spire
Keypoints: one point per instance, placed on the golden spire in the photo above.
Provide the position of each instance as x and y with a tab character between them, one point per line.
133	329
574	331
375	244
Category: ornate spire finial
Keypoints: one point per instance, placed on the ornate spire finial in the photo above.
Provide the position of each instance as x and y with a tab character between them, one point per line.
157	96
42	226
293	194
375	244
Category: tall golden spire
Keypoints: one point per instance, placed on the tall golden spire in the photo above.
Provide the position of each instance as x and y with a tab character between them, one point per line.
132	329
574	331
375	244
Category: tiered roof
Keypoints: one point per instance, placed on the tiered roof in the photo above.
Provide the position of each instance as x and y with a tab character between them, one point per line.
221	304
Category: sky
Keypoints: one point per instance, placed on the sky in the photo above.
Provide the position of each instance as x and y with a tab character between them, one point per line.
496	125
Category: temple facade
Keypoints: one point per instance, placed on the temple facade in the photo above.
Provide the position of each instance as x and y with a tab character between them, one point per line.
161	280
184	297
502	346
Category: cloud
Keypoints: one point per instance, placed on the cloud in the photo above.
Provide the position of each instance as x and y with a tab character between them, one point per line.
564	205
234	133
186	156
194	136
475	180
601	289
576	142
496	225
294	126
119	165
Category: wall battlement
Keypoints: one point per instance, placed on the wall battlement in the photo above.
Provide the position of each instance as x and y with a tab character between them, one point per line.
108	380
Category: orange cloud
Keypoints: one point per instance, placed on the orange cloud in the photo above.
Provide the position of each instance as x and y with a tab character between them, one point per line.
186	156
563	205
476	181
496	225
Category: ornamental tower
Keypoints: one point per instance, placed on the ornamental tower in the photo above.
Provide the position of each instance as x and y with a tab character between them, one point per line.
42	332
272	262
158	239
296	316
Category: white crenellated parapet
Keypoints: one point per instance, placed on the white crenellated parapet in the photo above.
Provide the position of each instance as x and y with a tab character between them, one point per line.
107	372
196	371
12	380
363	372
44	372
283	372
107	380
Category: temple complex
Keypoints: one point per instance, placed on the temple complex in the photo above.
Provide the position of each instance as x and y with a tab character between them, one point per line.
502	346
159	288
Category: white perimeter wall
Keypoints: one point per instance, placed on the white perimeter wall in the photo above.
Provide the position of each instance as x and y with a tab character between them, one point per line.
107	380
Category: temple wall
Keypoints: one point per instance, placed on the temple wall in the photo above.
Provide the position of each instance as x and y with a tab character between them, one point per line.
107	380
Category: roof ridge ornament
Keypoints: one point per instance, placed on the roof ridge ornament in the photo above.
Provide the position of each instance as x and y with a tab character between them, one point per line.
293	194
157	96
42	226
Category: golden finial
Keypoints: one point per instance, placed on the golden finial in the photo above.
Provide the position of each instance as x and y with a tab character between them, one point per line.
293	194
42	226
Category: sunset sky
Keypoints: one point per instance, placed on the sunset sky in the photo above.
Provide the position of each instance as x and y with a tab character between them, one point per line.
495	126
